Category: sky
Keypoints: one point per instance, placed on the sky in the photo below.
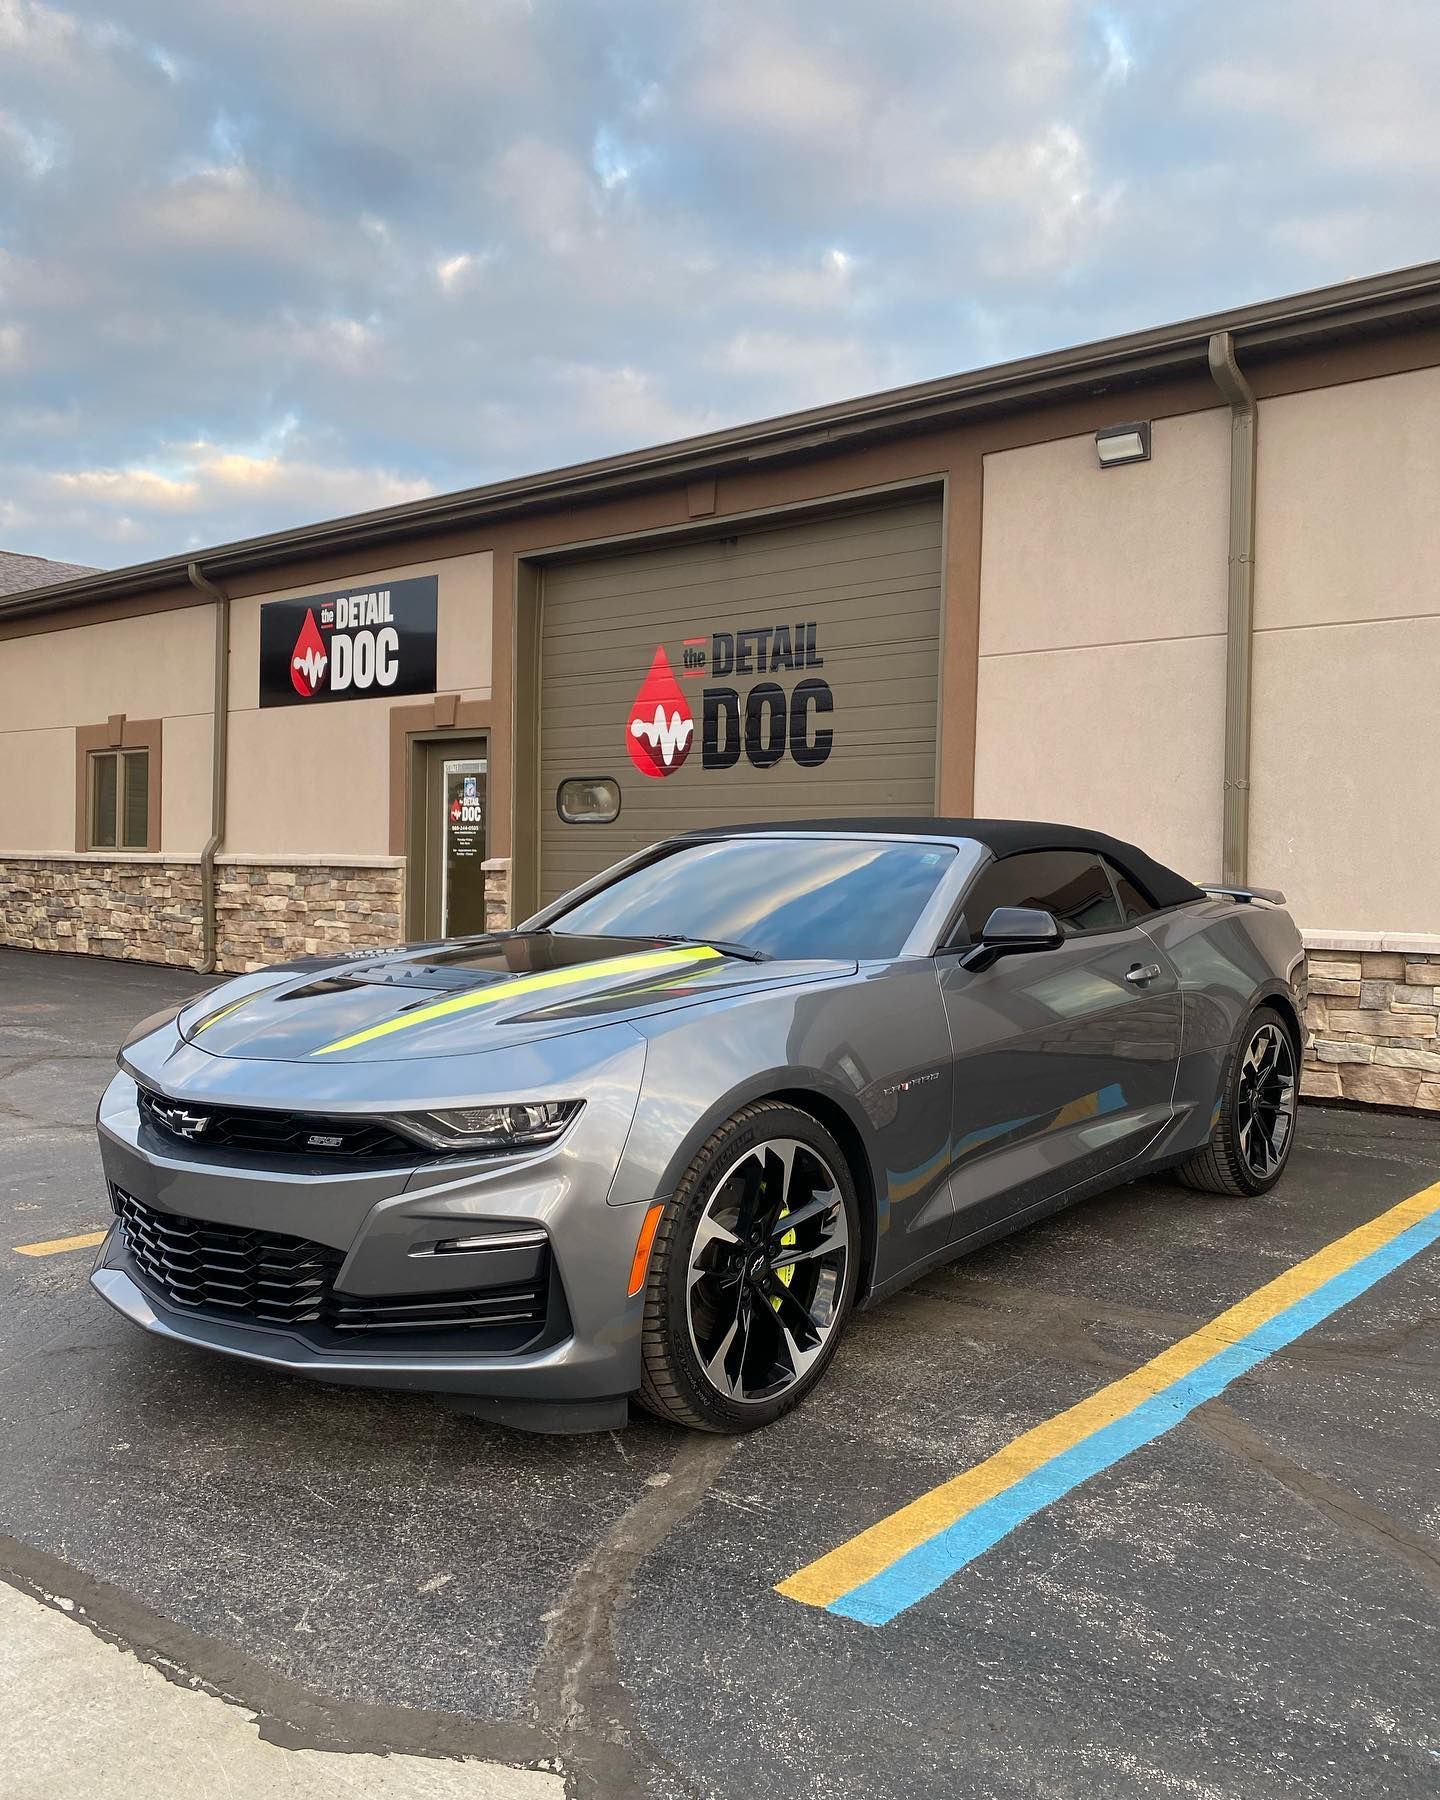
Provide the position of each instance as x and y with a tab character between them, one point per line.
264	262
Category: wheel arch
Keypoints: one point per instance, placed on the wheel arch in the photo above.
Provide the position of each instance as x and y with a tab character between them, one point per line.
828	1112
1278	997
836	1112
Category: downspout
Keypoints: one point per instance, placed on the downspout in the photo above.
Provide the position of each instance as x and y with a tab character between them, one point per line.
1240	606
219	747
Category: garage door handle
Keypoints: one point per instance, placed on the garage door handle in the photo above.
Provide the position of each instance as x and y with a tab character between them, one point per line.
1140	973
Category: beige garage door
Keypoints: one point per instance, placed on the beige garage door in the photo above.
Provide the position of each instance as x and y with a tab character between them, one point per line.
784	673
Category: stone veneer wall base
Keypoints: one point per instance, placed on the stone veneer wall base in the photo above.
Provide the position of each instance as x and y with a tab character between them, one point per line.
267	912
1372	1027
140	908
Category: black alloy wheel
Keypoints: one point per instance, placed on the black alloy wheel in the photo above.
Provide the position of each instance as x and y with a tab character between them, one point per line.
1265	1101
750	1287
1254	1129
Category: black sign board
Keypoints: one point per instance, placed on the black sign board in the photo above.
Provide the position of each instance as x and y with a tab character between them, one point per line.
357	643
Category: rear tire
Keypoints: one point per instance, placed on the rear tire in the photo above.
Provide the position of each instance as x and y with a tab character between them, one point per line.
752	1275
1254	1129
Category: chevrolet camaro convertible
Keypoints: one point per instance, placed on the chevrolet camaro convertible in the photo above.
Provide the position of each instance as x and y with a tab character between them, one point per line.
659	1142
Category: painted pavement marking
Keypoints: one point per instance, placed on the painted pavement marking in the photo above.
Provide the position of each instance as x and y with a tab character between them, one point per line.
87	1240
890	1566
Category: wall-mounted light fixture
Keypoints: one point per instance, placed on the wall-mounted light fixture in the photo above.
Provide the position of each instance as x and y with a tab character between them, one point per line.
1123	443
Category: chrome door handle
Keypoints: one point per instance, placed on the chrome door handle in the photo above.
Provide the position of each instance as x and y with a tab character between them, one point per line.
1140	973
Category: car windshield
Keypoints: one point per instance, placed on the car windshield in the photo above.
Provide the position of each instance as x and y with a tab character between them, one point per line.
847	898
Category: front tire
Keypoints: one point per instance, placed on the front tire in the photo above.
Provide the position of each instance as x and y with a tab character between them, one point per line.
752	1275
1254	1129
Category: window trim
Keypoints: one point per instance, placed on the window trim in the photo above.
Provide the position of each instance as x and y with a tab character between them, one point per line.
118	733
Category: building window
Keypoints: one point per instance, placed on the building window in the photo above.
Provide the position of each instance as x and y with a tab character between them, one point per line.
588	800
119	800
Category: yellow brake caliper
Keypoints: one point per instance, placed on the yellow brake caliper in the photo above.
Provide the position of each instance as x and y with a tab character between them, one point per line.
786	1275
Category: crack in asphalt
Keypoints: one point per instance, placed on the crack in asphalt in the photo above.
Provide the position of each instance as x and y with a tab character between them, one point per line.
1369	1524
286	1713
585	1726
576	1691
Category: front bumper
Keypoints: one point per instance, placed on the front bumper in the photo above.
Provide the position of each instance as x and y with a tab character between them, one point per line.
382	1224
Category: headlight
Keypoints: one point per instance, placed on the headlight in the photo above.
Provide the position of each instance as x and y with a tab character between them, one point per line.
525	1125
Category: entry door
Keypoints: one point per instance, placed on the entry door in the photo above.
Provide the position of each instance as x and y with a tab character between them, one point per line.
1065	1059
451	845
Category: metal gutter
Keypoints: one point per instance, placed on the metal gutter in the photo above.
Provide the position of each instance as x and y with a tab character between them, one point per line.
219	755
1240	606
1358	308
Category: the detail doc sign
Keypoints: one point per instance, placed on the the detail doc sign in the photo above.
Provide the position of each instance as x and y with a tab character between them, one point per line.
360	643
765	722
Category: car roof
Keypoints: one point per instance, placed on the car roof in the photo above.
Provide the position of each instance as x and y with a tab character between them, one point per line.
1002	837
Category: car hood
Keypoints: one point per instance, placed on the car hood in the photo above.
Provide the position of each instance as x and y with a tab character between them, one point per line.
465	997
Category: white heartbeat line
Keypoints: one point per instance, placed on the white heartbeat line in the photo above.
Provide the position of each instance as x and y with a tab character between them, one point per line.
312	666
669	738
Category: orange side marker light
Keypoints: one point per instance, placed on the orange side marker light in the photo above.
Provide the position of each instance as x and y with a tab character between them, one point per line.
640	1263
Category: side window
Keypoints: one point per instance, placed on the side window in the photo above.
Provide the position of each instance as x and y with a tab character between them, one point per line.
119	800
1072	884
1133	903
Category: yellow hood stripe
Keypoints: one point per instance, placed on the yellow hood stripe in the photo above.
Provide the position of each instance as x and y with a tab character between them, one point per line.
642	962
225	1011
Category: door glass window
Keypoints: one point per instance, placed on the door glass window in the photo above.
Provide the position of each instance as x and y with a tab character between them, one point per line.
462	868
1071	884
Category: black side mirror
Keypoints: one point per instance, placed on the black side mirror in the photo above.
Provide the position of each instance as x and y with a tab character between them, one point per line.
1011	929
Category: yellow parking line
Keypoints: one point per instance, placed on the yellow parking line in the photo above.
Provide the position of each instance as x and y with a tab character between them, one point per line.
890	1565
87	1240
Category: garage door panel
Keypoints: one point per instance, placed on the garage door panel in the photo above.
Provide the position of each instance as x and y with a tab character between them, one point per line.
578	659
851	601
769	553
909	665
788	596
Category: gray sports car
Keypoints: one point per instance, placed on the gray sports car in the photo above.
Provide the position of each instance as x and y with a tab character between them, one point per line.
661	1140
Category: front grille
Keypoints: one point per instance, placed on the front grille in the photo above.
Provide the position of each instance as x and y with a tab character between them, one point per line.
267	1278
277	1133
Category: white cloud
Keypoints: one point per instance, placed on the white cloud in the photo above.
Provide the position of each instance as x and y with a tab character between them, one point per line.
264	262
796	370
784	83
37	150
455	274
202	482
626	403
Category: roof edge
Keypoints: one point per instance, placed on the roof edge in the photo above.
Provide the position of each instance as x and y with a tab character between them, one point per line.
1350	308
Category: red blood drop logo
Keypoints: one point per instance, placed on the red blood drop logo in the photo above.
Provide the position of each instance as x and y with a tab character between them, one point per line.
308	658
661	727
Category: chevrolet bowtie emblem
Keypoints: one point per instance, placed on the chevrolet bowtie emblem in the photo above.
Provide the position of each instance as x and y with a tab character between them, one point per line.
183	1124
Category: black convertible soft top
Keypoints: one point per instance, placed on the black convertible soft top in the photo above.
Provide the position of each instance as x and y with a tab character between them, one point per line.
1005	837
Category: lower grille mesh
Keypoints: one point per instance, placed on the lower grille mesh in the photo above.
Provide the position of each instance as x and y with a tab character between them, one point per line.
225	1272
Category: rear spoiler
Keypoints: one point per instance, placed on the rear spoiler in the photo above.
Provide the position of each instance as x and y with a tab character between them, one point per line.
1243	895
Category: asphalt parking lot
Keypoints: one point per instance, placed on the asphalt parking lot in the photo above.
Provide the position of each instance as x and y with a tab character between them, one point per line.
1247	1606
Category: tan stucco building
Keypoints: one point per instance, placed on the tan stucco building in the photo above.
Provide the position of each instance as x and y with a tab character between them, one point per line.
936	598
